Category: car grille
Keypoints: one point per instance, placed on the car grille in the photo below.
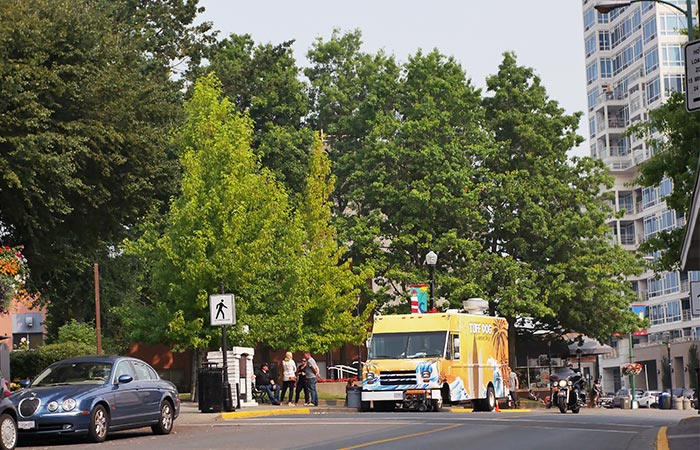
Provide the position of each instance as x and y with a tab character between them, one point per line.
398	377
28	406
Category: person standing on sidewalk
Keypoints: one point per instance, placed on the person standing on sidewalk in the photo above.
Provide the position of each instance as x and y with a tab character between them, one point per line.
513	385
311	371
301	384
289	377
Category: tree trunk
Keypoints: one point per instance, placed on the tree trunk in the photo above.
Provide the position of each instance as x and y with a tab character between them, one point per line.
512	334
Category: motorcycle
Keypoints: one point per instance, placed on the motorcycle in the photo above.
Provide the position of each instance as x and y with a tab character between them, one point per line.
568	391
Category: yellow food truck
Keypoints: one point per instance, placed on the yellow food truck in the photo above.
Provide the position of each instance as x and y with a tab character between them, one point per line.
424	361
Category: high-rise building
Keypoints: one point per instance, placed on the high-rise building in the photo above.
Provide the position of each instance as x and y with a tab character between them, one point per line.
634	60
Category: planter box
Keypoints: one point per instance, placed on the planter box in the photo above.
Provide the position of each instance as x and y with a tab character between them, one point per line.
332	389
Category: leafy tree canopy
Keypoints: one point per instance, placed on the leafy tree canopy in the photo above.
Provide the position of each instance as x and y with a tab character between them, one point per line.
86	103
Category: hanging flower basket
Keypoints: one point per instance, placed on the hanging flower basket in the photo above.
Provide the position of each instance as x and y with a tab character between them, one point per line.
13	274
631	369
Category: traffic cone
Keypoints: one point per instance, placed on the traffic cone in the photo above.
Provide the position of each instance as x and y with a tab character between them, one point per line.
497	408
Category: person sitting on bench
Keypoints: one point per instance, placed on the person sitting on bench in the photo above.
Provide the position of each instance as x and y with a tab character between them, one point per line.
265	383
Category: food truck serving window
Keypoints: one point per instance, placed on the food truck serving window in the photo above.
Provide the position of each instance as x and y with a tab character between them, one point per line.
408	345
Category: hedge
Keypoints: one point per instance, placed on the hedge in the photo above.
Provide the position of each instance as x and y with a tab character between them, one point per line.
29	363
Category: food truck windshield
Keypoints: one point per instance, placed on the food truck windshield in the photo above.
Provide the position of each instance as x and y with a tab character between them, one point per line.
408	345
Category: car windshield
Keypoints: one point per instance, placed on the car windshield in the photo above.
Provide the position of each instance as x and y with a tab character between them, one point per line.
408	345
74	373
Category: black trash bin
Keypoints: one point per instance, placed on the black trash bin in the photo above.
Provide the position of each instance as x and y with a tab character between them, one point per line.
211	383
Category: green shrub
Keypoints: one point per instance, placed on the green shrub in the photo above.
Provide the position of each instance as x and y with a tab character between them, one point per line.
28	363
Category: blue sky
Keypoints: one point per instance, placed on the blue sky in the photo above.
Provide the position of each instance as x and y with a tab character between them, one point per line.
546	35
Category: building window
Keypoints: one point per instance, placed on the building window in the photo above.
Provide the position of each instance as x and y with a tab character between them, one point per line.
651	60
670	24
651	226
649	30
665	187
673	83
672	55
668	220
605	68
655	287
592	99
653	89
591	126
603	40
673	311
649	197
590	45
588	19
592	72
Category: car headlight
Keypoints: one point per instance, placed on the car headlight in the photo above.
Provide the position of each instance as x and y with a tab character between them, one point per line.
562	383
68	404
370	376
425	374
52	406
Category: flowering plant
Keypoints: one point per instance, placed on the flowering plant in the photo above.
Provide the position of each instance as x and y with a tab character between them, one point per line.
631	369
13	274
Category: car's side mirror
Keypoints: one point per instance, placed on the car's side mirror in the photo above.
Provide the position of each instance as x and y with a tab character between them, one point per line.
24	383
125	378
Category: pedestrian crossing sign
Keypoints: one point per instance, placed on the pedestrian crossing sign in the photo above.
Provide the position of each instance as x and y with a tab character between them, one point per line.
222	309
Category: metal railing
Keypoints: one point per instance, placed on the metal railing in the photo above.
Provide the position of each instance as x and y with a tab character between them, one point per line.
343	371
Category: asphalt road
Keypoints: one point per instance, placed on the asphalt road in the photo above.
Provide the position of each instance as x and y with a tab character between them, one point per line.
540	429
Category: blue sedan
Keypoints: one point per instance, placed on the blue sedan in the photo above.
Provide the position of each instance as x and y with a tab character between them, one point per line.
94	395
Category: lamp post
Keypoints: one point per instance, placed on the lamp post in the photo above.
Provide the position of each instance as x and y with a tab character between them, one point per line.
634	394
667	337
607	7
431	260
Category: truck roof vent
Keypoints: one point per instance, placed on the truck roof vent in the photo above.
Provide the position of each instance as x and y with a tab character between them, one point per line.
476	305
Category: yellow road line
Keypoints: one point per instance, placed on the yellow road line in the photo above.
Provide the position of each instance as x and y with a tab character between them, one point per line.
381	441
247	414
662	439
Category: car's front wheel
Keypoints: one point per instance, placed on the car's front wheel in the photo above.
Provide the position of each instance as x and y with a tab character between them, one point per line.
8	432
167	417
99	423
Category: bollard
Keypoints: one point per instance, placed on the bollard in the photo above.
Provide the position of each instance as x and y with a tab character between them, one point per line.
686	403
677	403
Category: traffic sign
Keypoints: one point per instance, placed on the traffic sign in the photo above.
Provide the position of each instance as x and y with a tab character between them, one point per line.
695	297
222	309
692	76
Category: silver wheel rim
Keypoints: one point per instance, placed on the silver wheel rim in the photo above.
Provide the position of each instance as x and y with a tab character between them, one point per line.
166	417
100	423
8	431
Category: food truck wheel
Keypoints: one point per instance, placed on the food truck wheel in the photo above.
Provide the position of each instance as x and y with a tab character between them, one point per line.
437	405
486	404
364	406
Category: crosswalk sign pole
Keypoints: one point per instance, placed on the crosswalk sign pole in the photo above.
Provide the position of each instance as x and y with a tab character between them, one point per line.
228	402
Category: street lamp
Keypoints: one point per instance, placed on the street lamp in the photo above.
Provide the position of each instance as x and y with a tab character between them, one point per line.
604	8
431	260
667	338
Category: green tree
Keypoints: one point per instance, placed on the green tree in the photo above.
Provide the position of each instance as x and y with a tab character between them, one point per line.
233	224
403	140
264	81
331	317
674	134
546	251
80	332
86	103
